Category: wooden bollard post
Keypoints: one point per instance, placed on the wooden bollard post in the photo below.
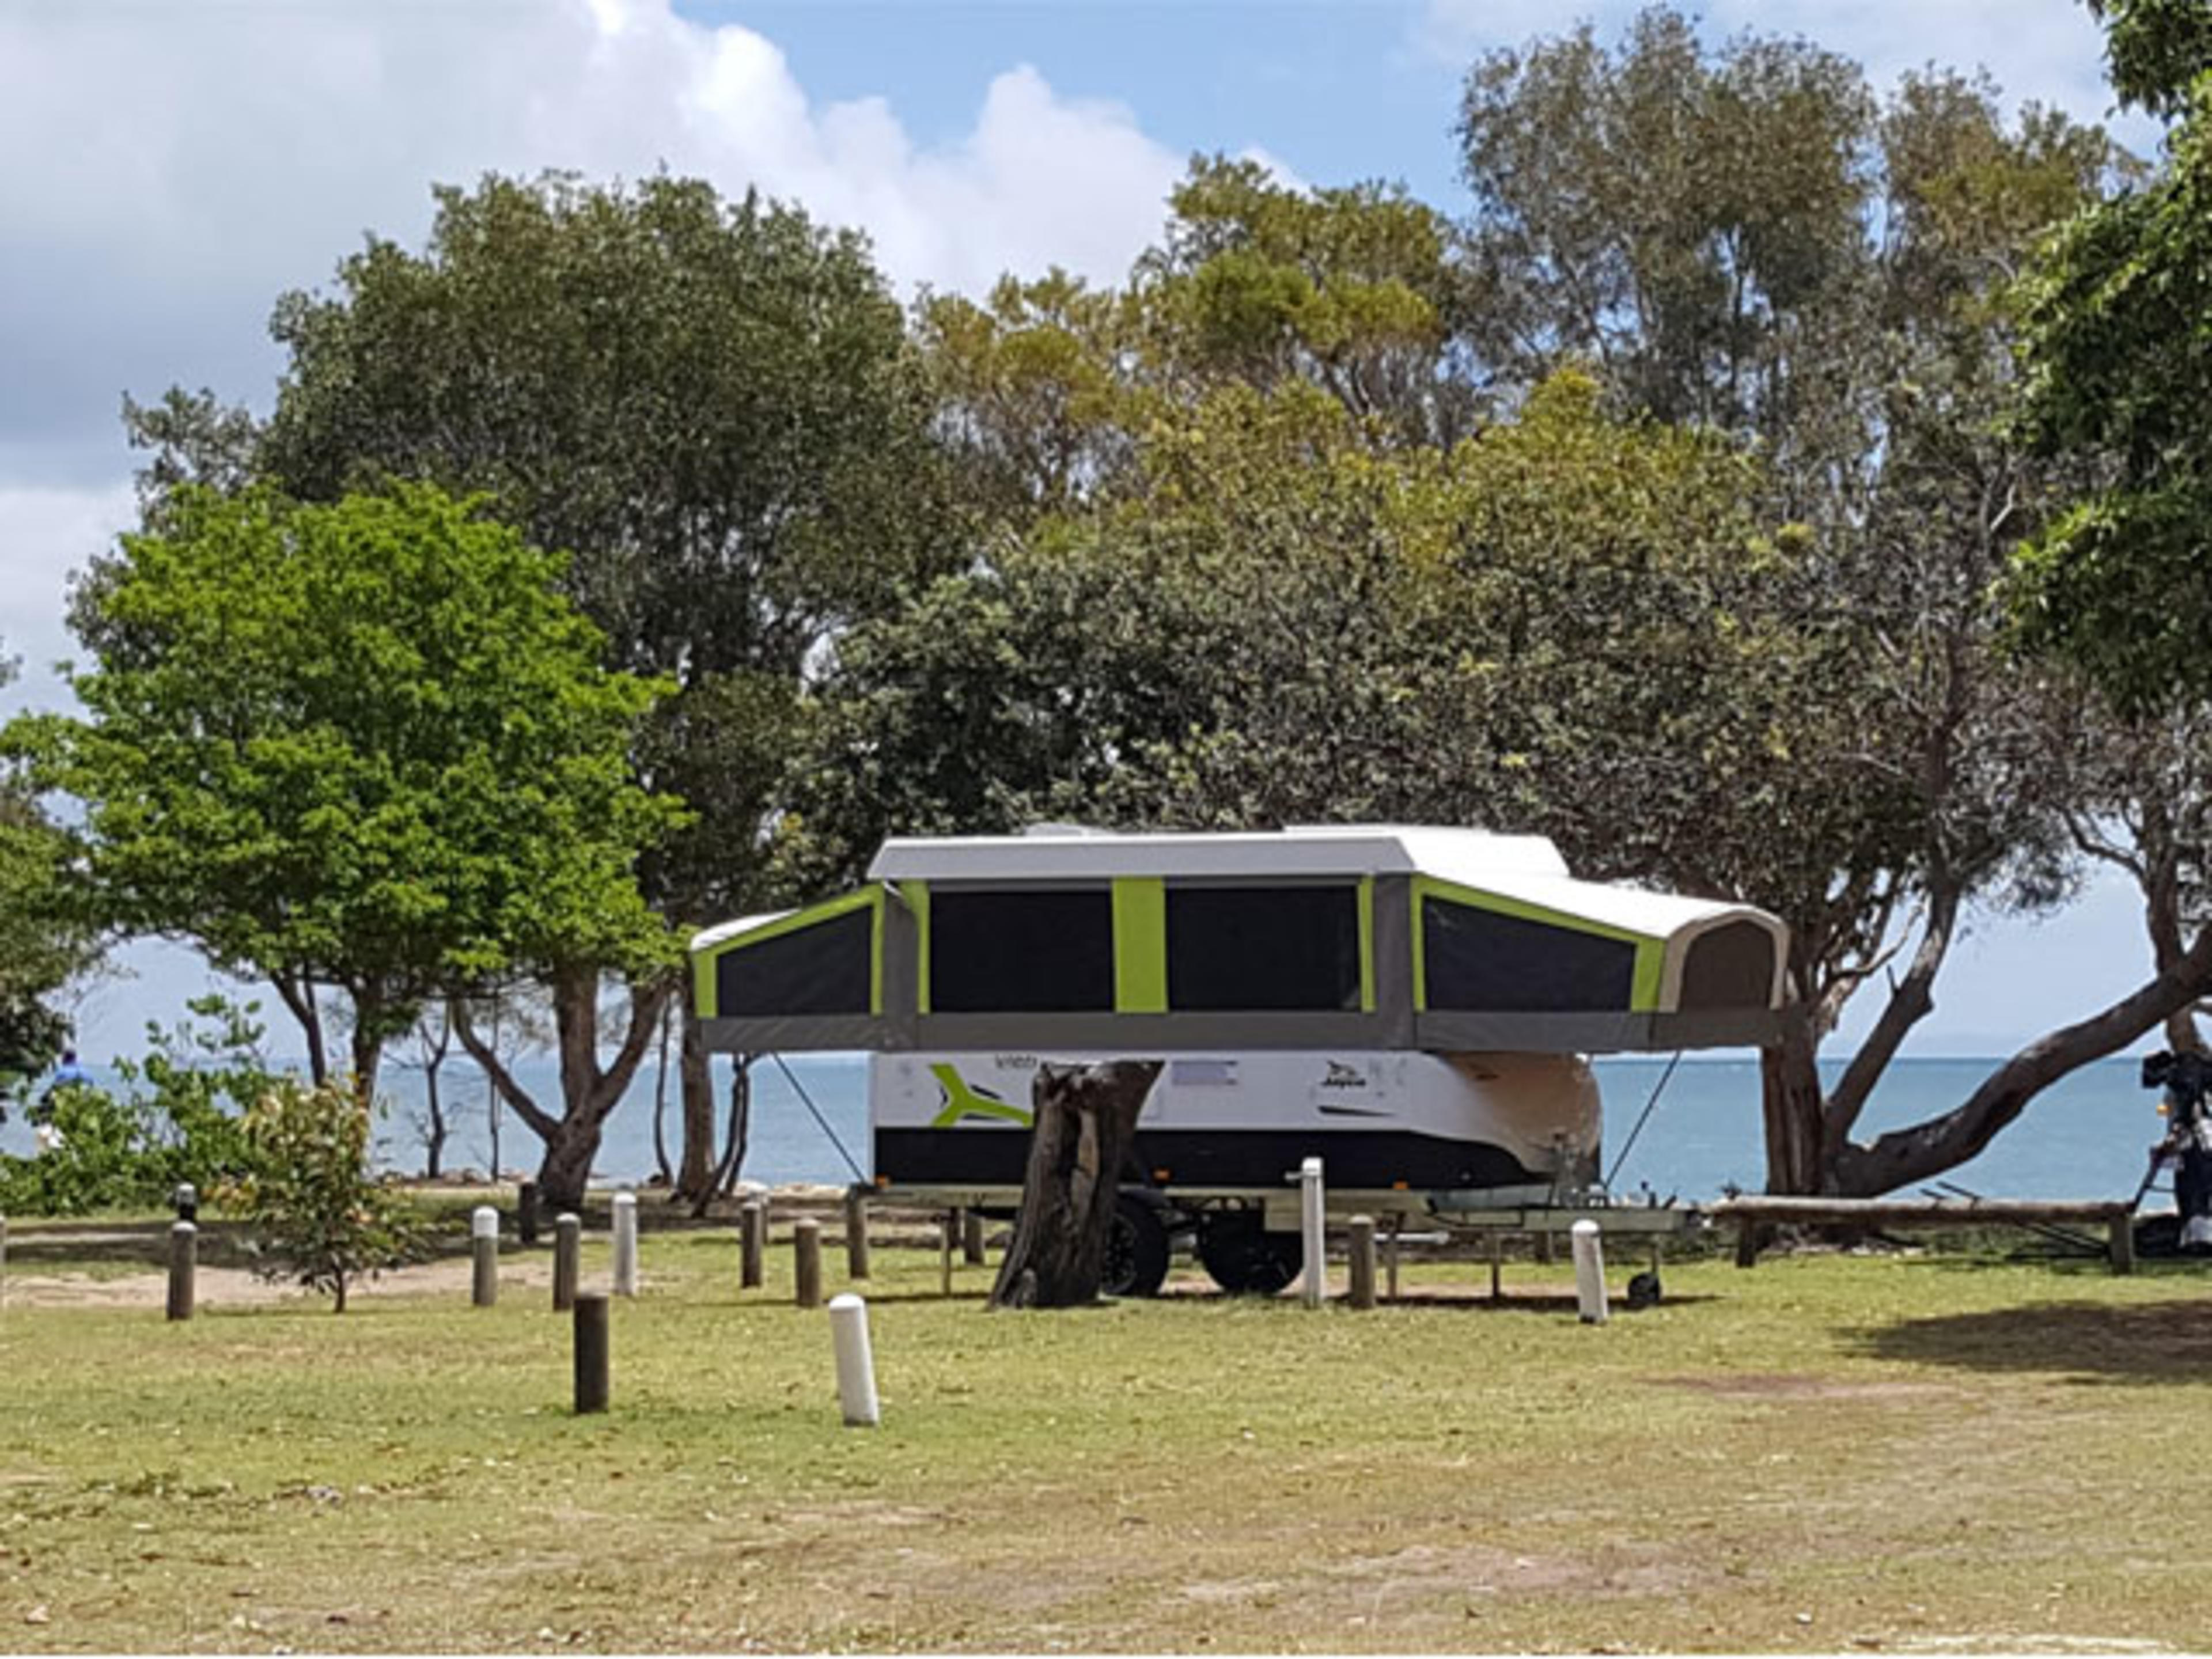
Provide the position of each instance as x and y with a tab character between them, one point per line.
1544	1246
944	1230
591	1360
525	1213
1497	1266
3	1260
568	1259
184	1267
807	1261
971	1237
856	1233
2121	1242
1747	1243
752	1243
625	1274
484	1245
1362	1243
1390	1249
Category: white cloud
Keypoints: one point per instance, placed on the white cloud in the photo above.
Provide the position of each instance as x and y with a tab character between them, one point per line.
195	162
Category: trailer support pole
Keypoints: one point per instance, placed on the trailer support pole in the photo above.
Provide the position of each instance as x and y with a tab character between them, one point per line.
1312	1212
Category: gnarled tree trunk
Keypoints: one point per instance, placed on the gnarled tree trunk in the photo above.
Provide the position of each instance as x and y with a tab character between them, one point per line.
1085	1121
697	1178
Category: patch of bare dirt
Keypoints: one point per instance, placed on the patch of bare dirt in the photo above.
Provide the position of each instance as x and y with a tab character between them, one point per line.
235	1287
1788	1386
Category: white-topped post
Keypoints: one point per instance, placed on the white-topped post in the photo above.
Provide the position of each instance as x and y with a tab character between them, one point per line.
1589	1273
625	1244
484	1244
856	1363
1312	1223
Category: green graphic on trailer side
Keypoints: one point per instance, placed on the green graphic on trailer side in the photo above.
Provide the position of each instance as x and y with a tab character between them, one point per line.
962	1102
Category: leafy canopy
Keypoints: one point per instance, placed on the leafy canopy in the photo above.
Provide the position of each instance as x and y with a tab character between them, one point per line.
367	744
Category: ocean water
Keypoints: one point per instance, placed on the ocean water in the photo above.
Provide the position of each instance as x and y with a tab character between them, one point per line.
2088	1137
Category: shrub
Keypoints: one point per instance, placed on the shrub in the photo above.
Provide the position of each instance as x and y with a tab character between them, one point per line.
319	1216
175	1119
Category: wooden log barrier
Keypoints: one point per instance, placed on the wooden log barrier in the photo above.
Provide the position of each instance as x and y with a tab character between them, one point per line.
971	1237
568	1259
1361	1244
593	1367
184	1268
752	1243
807	1261
1754	1214
856	1233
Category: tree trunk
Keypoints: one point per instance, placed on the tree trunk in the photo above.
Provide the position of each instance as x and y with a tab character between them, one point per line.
661	1171
1790	1099
300	999
566	1169
589	1092
697	1179
1086	1120
433	1139
1943	1143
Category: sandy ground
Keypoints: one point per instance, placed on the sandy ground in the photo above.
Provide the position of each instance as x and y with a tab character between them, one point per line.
234	1287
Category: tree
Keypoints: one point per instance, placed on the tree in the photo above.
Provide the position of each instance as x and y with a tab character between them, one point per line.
320	1217
1086	1124
713	405
367	747
46	940
1749	240
2119	372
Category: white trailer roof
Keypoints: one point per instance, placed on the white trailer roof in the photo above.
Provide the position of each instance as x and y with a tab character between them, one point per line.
1526	868
1059	851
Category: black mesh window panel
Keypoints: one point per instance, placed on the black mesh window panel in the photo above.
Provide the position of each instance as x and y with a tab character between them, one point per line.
1021	952
1731	967
1483	960
1248	949
822	969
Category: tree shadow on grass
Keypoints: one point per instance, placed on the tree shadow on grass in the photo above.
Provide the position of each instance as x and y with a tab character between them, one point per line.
2134	1342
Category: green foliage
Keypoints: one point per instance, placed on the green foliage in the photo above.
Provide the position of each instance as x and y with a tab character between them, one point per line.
45	939
368	744
2156	49
710	405
2119	372
175	1119
319	1216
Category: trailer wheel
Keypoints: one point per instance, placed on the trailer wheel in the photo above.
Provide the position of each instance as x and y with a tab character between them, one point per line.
1245	1261
1136	1250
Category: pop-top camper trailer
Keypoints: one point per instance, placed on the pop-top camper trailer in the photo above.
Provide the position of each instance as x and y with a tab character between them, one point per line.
1414	1006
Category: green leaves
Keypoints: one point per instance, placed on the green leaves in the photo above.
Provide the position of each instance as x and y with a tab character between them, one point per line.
2117	354
368	745
318	1217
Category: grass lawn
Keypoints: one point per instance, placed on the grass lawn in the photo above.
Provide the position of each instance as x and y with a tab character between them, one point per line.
1826	1453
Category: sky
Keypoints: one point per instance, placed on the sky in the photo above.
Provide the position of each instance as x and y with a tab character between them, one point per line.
171	169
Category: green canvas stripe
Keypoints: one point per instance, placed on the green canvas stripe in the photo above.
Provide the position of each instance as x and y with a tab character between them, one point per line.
917	902
963	1102
1140	944
1367	945
704	996
1651	969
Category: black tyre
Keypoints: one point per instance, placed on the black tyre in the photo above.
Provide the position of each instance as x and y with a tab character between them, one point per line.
1136	1249
1244	1260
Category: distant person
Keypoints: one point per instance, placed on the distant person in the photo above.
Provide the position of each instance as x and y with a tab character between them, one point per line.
69	1074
